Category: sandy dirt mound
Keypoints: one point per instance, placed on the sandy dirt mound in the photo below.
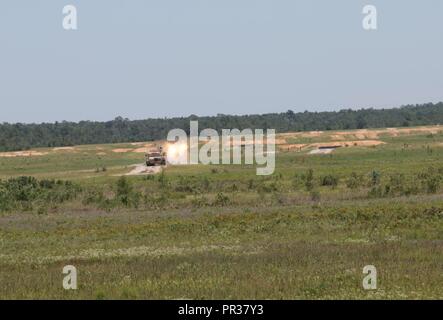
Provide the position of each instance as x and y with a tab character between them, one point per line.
420	130
64	149
122	150
367	134
312	134
337	137
363	134
292	147
356	143
279	141
141	150
327	148
366	143
392	132
22	154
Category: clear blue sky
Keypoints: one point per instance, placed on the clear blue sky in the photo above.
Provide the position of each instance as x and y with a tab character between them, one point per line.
144	58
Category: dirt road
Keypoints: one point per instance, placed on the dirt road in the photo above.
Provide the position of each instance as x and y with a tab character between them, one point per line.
142	169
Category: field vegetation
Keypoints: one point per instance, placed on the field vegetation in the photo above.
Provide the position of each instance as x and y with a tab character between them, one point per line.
204	232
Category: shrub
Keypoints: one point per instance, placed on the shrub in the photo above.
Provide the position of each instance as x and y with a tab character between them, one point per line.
432	184
298	181
221	200
125	193
205	184
354	181
93	196
329	180
184	184
396	185
23	193
200	201
267	187
375	178
309	180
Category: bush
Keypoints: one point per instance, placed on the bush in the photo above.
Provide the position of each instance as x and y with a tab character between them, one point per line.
298	182
309	180
430	179
125	193
24	193
329	180
266	186
93	196
396	185
375	178
185	184
432	184
221	200
200	201
354	181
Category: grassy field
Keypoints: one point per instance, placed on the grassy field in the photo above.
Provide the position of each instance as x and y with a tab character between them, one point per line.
221	232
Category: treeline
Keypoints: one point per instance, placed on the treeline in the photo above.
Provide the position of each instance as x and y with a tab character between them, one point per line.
25	136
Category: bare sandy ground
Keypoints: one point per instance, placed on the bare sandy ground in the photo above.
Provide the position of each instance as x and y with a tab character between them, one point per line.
293	147
321	151
22	154
141	150
64	149
142	169
332	144
354	143
364	134
122	150
339	144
